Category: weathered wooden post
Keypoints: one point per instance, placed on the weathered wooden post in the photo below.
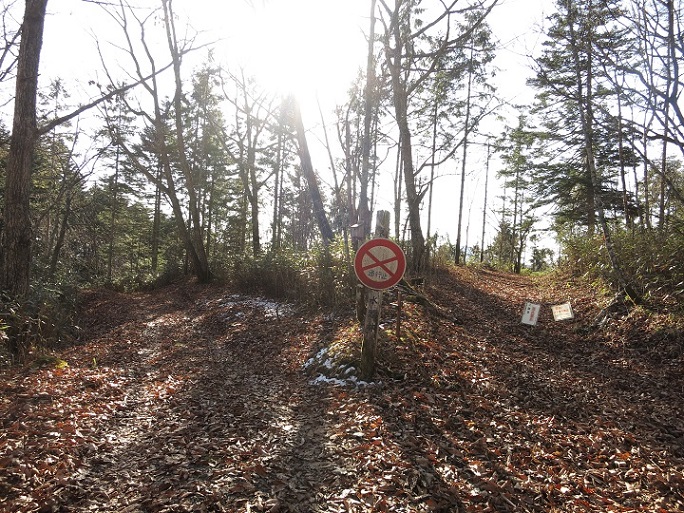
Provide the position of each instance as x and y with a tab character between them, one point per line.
358	237
397	327
379	264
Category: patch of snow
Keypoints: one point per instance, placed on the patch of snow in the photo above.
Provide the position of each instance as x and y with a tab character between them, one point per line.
361	383
351	381
345	374
271	309
319	356
321	379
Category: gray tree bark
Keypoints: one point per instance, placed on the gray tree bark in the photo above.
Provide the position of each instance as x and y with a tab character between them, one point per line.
17	235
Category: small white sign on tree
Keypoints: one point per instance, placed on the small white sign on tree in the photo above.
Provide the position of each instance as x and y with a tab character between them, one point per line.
530	314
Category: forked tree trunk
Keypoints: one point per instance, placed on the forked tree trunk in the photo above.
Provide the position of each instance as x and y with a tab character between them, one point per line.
195	240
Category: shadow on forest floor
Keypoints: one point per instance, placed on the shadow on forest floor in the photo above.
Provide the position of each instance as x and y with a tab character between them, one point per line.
193	399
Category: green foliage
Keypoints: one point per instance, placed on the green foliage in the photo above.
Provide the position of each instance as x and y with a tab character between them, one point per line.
587	257
442	255
651	260
48	360
654	260
320	277
45	320
506	251
574	90
542	259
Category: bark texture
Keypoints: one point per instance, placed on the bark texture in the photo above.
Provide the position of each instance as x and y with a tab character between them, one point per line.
17	233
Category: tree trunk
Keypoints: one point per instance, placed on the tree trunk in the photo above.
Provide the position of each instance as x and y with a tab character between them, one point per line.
669	94
312	181
484	207
254	212
17	233
276	192
413	200
59	242
398	177
165	173
373	308
156	223
646	214
364	210
400	97
113	214
196	238
250	178
432	181
586	113
621	156
466	132
210	214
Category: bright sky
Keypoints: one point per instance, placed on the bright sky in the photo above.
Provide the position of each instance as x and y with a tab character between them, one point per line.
309	47
305	46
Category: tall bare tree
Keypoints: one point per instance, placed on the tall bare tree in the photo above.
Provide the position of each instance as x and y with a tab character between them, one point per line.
310	176
417	39
655	82
249	141
166	123
364	209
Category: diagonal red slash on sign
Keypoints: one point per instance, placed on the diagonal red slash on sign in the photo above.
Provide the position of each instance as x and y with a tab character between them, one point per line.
380	264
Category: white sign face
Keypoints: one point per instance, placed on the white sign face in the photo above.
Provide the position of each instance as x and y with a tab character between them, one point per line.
562	312
530	314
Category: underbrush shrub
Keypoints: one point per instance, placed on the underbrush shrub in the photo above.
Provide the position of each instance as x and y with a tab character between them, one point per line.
136	283
317	278
651	262
44	321
587	257
172	273
442	257
273	274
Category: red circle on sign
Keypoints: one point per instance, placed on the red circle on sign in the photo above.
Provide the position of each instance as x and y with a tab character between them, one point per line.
380	264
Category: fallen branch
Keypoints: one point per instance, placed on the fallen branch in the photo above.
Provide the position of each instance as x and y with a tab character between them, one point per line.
416	297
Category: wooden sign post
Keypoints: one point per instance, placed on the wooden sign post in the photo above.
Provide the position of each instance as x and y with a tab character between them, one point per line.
379	264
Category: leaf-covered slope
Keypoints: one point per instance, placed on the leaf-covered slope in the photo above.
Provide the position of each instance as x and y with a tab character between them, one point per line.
193	399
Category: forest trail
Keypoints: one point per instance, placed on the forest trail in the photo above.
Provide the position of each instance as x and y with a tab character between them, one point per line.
190	398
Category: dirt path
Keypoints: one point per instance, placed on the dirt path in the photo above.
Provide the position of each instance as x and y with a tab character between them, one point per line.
191	399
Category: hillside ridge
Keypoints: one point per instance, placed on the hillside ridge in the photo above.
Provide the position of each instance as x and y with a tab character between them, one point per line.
195	398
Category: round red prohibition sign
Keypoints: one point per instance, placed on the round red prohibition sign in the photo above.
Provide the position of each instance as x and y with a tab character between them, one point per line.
379	264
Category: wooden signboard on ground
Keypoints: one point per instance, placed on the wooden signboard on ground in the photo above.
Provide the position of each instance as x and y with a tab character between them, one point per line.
530	314
562	312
